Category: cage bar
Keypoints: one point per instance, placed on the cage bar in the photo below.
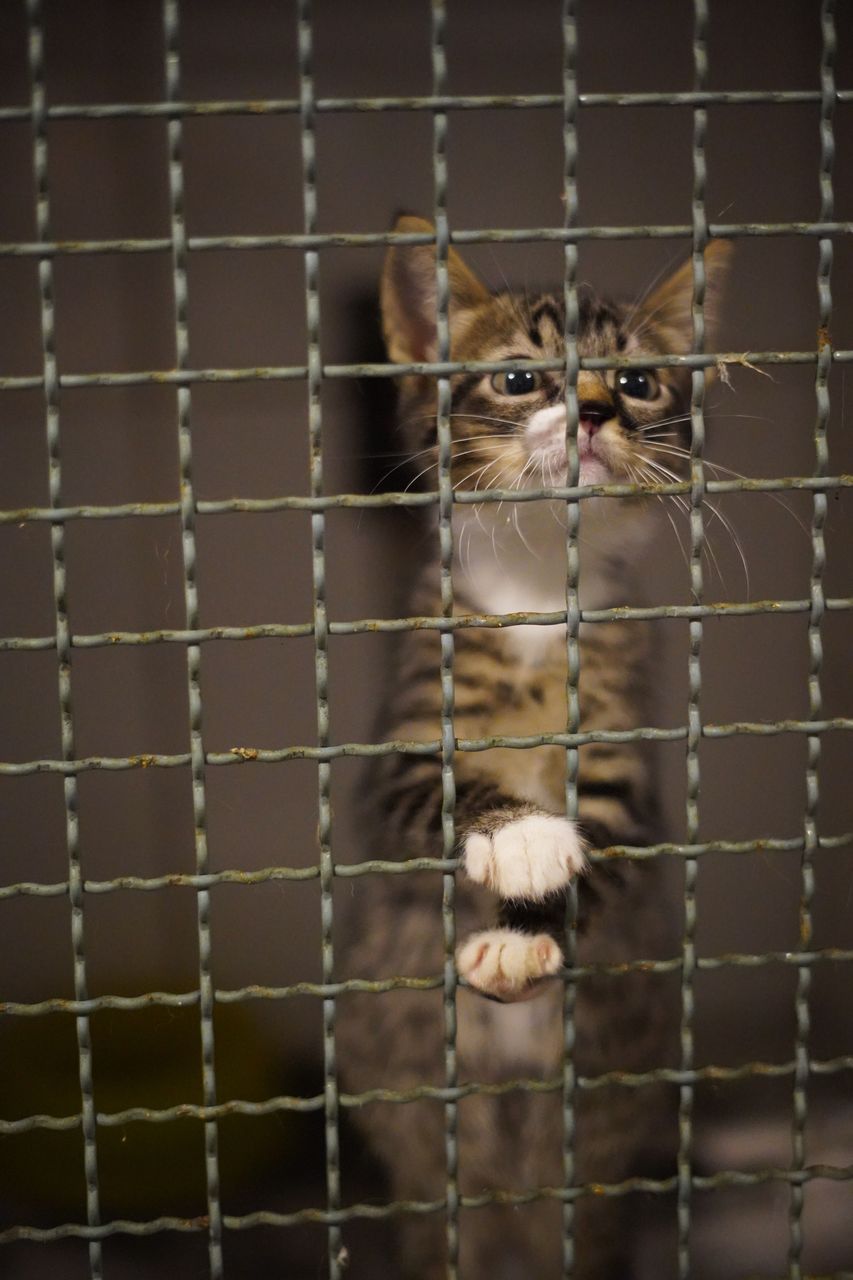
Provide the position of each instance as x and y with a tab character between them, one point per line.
812	788
573	610
76	893
371	239
694	718
445	542
428	103
197	761
802	960
287	373
320	632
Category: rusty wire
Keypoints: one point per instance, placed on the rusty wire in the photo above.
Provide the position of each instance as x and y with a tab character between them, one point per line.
76	887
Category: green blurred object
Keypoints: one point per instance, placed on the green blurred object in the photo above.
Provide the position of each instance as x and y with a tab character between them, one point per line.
148	1058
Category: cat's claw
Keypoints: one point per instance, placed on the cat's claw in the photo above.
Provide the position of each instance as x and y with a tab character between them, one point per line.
508	965
527	857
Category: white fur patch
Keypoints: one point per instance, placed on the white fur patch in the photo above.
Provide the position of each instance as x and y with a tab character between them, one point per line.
507	964
544	426
512	558
545	433
529	857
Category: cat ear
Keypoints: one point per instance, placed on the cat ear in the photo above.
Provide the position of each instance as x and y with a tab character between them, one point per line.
668	311
409	294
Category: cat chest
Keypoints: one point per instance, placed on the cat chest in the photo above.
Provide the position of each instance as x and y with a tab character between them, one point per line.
524	572
514	679
497	1041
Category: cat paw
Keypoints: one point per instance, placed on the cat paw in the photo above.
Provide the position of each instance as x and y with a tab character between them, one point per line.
527	857
508	965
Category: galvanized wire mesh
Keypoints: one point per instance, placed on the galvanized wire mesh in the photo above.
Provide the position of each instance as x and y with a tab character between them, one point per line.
77	887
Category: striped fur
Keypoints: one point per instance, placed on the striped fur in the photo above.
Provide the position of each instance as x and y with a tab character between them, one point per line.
512	681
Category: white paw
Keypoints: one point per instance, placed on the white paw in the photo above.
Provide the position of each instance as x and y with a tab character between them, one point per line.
527	858
507	964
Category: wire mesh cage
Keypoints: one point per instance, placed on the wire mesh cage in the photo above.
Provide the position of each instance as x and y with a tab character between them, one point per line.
170	814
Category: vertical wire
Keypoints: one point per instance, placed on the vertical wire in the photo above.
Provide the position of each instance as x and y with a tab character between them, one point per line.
63	631
694	721
445	534
171	29
570	263
810	842
321	628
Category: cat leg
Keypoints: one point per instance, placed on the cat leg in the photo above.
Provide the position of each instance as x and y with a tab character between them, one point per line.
524	858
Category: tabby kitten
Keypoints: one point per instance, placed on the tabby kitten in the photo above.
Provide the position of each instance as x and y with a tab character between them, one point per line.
519	851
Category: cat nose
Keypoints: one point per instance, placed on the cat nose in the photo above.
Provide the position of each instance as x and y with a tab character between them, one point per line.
593	414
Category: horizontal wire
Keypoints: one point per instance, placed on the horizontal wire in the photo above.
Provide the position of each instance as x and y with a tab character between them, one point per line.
183	378
422	622
265	1217
438	1093
325	990
297	372
377	866
50	249
423	102
426	498
378	239
421	747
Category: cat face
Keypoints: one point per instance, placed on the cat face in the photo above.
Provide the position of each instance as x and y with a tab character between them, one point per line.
509	429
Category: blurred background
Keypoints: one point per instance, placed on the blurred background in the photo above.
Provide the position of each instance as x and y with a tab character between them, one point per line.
108	179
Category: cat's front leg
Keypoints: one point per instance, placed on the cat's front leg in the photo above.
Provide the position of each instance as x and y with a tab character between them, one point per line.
523	856
508	964
526	857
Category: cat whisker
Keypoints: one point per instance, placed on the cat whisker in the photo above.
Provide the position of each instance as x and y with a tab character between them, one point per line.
645	429
654	473
716	513
478	509
412	457
738	475
552	484
529	466
503	452
517	483
471	417
729	527
479	472
461	453
518	530
635	478
663	446
721	414
414	480
707	546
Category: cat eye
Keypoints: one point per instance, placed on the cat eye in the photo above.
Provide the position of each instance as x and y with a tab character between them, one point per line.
637	384
519	383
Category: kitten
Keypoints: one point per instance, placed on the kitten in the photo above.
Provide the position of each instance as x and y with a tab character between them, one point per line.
519	851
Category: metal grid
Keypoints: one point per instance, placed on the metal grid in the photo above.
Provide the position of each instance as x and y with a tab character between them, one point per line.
76	886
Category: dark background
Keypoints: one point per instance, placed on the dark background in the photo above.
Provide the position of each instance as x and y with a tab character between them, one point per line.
109	179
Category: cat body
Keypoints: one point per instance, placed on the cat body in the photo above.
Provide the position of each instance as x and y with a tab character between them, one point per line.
519	851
